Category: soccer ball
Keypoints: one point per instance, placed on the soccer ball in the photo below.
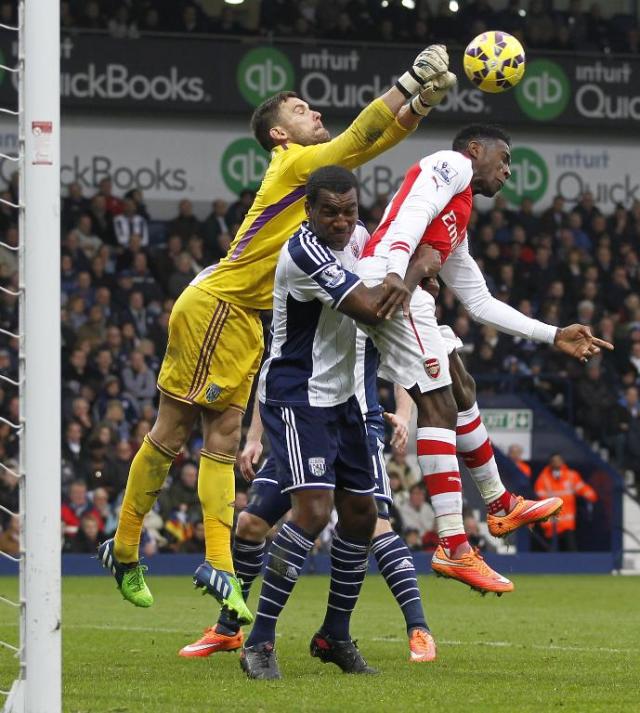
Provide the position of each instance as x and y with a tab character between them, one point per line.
494	61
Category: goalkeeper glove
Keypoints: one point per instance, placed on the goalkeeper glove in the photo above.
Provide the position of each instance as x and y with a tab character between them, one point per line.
430	63
432	93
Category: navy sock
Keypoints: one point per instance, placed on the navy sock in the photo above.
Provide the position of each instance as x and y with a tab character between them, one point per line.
396	566
349	560
285	561
247	562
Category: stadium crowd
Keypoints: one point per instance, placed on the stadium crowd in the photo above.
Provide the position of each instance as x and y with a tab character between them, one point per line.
121	272
539	23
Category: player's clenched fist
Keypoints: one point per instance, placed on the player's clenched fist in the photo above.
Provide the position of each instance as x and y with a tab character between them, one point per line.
429	64
433	93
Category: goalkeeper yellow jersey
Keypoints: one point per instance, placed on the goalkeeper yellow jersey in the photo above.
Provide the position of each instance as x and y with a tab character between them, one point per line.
245	276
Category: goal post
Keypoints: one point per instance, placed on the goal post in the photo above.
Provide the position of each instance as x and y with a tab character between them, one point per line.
38	689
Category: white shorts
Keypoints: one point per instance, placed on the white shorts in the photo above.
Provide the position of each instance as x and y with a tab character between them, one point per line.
413	350
452	341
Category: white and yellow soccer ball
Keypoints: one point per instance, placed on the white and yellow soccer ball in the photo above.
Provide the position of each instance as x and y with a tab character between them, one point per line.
494	61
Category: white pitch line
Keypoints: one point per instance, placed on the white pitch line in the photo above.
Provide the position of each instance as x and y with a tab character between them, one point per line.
144	629
390	640
511	645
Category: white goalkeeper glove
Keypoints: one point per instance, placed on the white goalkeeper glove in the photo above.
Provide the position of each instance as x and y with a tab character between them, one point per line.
430	63
433	93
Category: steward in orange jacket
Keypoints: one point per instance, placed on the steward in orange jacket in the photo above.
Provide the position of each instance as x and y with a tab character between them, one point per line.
557	479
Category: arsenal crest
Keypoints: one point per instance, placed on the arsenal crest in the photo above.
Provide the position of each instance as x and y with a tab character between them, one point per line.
432	367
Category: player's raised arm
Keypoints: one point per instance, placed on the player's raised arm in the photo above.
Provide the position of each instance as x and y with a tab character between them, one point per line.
376	129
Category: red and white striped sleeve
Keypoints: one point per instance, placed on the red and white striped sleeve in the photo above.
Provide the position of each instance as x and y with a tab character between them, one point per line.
440	177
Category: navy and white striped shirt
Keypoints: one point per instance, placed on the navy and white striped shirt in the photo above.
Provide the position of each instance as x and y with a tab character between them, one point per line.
312	356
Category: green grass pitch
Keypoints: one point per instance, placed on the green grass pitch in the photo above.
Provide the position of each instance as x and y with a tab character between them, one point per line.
563	643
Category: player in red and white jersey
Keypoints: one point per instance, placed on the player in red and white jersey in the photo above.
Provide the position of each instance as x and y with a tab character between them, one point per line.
432	208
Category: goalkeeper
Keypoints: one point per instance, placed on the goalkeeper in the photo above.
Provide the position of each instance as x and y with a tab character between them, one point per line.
215	334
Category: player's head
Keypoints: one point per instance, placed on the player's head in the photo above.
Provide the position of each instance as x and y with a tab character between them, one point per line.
332	205
284	118
489	148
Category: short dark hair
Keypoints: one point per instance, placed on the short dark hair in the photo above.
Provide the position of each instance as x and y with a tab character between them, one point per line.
330	178
475	132
266	116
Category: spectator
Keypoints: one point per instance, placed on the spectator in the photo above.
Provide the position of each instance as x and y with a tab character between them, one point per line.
417	513
72	446
185	224
97	469
182	495
10	537
151	21
195	543
75	506
101	503
398	491
92	18
227	24
554	218
412	539
113	204
73	206
216	232
474	535
540	27
89	243
191	21
138	379
122	26
102	220
111	394
88	536
182	276
137	314
94	329
237	210
398	466
595	401
558	480
164	261
121	464
514	453
128	223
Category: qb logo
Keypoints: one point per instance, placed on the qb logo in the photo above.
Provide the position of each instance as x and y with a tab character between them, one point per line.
262	72
243	164
544	92
529	176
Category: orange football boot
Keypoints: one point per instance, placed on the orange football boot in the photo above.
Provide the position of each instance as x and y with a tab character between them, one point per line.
470	569
421	646
211	643
525	512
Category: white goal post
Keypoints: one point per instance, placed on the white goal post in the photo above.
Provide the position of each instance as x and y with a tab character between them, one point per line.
38	688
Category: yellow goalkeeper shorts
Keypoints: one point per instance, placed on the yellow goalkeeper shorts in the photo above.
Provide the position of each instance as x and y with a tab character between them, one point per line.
213	352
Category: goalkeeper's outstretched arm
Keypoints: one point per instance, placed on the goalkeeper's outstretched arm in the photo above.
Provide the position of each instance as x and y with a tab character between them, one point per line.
387	120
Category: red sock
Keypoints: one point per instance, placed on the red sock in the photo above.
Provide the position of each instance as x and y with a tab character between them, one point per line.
501	505
452	543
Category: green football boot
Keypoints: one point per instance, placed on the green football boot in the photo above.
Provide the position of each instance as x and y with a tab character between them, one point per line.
129	577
